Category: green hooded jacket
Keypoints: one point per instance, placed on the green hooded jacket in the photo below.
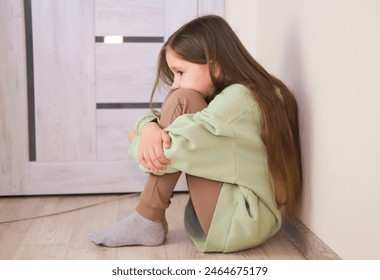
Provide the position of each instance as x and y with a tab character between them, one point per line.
223	143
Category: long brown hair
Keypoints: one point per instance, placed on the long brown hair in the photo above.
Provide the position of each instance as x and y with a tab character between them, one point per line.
210	39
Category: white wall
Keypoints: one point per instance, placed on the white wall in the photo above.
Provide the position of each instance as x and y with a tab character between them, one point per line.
328	53
241	15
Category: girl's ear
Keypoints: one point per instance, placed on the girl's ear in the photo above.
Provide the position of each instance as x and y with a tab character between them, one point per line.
215	68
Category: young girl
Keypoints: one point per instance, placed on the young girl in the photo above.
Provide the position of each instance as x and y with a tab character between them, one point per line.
232	128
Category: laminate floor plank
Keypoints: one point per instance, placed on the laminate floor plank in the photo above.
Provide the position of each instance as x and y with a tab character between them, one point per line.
57	227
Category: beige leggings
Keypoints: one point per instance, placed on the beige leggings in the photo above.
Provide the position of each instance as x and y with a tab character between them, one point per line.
204	193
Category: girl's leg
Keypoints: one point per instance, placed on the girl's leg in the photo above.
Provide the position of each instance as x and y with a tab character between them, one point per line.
147	226
159	189
204	193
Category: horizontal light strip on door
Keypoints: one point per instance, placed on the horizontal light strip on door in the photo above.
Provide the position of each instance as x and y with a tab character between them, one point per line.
128	39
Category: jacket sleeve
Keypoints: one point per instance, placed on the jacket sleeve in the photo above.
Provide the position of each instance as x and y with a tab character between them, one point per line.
149	117
202	145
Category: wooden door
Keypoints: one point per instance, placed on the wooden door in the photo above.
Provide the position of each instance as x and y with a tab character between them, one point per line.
68	98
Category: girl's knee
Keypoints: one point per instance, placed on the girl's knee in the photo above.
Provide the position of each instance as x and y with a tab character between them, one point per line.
187	98
184	94
179	102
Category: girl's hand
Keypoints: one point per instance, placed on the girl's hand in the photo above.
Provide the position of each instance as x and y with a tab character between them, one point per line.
151	148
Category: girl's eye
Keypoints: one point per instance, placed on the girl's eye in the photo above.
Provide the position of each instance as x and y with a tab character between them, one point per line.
180	73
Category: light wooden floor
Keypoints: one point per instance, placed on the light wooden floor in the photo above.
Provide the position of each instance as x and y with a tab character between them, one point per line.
65	235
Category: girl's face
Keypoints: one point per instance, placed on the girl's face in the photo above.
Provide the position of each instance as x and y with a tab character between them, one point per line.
189	75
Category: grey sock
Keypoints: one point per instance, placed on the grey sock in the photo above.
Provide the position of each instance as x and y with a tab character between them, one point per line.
134	230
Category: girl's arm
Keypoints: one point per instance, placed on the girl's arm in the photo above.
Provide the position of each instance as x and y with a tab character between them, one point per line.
204	144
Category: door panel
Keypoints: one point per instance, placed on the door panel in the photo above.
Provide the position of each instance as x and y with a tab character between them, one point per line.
129	17
68	100
112	132
64	83
125	72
